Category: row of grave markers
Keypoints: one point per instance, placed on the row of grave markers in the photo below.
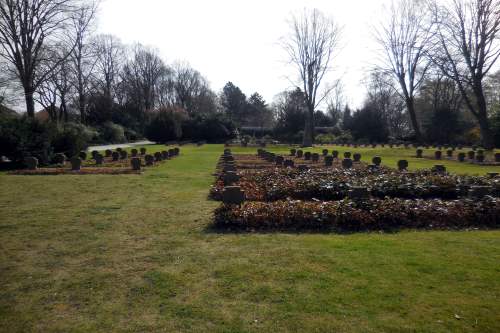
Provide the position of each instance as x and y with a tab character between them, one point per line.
235	195
119	154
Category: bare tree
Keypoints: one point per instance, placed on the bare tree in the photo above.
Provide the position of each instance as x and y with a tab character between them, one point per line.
386	100
110	54
404	39
53	91
311	45
141	76
336	102
82	56
192	90
26	26
466	49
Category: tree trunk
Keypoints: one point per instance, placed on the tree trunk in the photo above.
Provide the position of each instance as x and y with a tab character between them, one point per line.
307	140
30	101
410	106
482	118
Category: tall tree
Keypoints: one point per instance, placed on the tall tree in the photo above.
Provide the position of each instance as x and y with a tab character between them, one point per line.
234	103
82	55
110	57
383	98
311	45
467	47
141	76
259	114
26	27
404	39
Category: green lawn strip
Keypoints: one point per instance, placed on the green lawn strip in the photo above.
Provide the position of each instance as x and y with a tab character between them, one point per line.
135	253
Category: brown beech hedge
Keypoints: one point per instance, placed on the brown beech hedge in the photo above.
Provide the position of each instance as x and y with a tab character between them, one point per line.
351	216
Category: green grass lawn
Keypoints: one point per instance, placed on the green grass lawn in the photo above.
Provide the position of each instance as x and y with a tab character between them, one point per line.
134	253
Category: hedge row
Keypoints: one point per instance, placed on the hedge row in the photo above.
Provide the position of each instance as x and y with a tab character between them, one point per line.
350	216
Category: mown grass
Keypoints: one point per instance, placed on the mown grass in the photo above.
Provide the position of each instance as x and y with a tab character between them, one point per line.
134	253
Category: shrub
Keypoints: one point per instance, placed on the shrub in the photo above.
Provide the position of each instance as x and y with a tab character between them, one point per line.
21	137
165	125
112	133
324	138
71	138
215	128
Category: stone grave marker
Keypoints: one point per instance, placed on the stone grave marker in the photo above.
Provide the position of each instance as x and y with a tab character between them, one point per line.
99	159
31	163
135	163
149	159
478	192
230	178
123	155
347	163
358	193
402	165
439	168
76	163
233	195
60	158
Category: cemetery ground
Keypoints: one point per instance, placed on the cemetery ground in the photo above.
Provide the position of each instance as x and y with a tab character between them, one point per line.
137	253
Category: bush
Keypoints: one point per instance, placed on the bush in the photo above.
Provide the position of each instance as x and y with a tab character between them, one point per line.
165	125
215	128
112	133
324	138
71	138
22	136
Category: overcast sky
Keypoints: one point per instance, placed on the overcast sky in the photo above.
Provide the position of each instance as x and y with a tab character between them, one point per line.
238	40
